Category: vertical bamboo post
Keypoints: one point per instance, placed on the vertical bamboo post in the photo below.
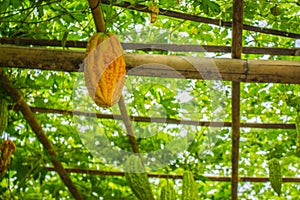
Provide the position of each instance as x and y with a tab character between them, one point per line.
236	52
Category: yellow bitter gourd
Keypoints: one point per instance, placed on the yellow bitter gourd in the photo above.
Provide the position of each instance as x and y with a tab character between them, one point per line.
275	176
7	148
154	12
104	69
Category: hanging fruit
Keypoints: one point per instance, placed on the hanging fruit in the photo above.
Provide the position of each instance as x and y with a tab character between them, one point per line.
297	123
275	10
137	178
154	12
7	148
275	176
104	69
3	115
189	187
167	191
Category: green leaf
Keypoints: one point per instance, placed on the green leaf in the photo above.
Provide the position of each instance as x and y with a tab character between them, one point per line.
16	3
4	6
64	38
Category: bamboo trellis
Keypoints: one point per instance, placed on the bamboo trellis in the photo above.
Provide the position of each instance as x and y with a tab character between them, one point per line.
168	13
208	68
156	47
239	71
159	120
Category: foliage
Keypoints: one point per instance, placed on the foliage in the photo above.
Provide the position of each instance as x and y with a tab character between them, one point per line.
206	150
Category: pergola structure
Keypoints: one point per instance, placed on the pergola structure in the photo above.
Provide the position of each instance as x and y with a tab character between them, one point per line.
236	70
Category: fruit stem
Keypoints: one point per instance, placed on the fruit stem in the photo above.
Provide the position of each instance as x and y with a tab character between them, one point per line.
97	15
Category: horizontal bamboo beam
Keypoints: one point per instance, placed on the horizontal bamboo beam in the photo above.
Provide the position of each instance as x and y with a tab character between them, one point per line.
157	47
159	65
161	120
171	176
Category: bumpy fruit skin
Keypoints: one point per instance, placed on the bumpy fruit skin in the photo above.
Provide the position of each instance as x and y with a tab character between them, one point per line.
275	176
167	192
7	148
137	178
189	187
3	115
154	12
275	10
298	132
104	69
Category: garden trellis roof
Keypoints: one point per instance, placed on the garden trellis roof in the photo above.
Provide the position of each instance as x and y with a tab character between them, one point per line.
235	70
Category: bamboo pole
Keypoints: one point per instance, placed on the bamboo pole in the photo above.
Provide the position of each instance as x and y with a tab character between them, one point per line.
235	138
161	120
127	121
175	176
236	52
265	71
156	46
97	15
39	132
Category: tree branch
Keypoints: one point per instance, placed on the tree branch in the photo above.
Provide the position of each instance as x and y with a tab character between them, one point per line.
39	132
